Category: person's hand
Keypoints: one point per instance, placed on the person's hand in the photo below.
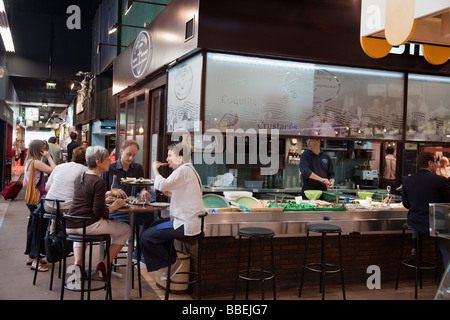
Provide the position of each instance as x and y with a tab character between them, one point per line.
122	194
45	154
118	203
145	194
167	193
156	165
330	183
110	199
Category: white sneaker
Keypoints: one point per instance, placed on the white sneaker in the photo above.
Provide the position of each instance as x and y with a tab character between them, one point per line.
173	270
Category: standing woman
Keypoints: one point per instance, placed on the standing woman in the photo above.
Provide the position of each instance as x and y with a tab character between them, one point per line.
37	150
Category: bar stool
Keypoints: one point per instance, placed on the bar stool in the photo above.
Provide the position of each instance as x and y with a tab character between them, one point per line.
264	275
416	263
198	274
115	264
324	229
89	240
44	218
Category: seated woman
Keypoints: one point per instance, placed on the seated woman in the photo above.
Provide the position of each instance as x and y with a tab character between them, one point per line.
60	184
185	189
89	201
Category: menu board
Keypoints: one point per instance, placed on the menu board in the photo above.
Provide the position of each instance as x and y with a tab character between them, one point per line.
183	97
302	99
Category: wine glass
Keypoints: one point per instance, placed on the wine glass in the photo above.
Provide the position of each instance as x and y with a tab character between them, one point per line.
388	188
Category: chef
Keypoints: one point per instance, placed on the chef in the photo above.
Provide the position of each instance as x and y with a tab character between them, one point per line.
316	168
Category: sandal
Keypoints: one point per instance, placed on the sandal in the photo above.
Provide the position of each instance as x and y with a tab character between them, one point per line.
30	261
40	268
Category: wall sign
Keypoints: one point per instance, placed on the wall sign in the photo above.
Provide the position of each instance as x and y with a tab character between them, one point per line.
183	95
142	53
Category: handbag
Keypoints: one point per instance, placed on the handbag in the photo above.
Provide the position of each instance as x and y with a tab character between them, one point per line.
32	194
54	244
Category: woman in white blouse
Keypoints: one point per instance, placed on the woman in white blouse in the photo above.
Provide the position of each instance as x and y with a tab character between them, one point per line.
184	188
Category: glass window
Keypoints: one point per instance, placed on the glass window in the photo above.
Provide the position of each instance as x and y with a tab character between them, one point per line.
130	120
302	98
140	127
428	111
122	126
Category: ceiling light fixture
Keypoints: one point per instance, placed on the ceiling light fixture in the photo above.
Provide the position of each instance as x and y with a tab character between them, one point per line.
129	4
116	25
5	31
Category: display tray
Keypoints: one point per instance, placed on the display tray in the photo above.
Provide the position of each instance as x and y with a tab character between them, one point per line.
305	207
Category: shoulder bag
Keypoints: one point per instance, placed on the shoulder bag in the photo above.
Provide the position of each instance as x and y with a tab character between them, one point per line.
32	195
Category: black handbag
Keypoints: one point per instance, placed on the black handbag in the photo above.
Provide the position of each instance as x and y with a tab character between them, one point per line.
54	248
54	244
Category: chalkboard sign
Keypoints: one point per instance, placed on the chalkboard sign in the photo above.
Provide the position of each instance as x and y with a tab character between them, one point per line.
409	162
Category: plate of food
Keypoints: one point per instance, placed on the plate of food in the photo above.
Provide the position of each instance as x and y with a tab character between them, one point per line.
130	180
160	204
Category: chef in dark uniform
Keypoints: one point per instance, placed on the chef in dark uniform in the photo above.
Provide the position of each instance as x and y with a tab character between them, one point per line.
316	168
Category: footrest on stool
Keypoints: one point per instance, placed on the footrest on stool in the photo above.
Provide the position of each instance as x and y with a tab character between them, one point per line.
336	268
270	274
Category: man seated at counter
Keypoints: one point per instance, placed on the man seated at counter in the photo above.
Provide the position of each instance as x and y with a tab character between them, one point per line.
421	189
125	167
316	168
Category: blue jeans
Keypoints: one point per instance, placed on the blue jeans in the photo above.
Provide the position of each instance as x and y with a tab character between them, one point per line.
155	244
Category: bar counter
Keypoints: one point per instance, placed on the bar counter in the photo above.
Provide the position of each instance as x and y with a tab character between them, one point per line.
293	223
370	237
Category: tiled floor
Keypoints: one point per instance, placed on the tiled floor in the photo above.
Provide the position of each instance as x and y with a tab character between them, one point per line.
16	277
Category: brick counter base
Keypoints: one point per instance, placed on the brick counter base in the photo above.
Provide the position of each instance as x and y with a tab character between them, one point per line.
359	252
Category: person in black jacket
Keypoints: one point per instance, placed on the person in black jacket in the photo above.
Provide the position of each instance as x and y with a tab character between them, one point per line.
316	168
421	189
71	146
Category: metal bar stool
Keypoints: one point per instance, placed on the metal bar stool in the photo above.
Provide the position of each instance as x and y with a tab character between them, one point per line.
115	264
324	229
416	263
198	274
44	218
86	240
264	275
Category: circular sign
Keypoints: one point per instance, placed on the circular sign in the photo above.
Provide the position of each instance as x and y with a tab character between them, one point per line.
326	86
183	82
142	54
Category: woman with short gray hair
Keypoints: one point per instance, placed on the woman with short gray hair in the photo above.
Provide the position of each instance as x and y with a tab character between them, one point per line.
89	201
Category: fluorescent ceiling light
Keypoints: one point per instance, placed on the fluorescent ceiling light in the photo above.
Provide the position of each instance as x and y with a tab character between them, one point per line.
5	31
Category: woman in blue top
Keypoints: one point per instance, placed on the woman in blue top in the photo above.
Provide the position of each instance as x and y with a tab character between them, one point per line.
316	168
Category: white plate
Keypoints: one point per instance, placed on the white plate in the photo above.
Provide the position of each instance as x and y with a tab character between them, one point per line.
159	204
227	179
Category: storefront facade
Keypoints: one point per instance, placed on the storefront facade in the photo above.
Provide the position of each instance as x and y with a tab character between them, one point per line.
298	68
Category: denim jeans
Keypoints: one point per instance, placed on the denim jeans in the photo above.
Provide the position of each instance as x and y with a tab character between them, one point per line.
155	244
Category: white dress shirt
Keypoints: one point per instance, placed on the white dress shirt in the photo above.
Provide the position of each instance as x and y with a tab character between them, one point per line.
186	202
